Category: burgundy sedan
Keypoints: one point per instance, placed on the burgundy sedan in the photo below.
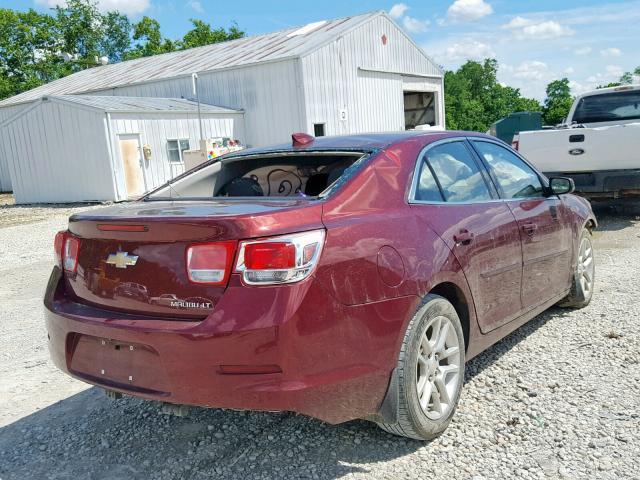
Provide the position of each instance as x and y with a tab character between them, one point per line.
341	278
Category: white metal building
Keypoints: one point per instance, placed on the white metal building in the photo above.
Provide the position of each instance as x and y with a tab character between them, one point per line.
350	75
83	148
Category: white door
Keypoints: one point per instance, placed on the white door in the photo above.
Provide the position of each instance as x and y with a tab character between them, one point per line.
133	164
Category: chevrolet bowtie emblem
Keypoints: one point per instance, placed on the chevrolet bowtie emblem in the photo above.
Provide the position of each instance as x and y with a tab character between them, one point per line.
122	259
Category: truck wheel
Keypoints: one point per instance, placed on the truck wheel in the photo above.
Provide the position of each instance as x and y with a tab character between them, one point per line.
430	371
583	275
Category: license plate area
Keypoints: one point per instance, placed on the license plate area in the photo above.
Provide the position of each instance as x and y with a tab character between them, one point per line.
124	365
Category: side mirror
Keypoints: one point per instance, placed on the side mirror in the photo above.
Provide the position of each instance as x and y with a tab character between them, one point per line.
561	185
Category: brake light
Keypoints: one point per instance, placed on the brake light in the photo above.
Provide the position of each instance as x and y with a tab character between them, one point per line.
515	144
108	227
70	254
210	263
284	259
58	242
271	255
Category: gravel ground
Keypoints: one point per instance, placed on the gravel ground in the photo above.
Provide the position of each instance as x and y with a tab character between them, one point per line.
559	398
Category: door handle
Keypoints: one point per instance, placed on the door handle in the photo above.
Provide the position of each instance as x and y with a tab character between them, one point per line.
529	228
463	237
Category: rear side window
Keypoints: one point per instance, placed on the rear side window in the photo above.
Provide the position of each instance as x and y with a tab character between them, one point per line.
457	173
515	177
427	189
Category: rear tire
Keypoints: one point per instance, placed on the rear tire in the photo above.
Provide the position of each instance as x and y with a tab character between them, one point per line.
430	371
583	277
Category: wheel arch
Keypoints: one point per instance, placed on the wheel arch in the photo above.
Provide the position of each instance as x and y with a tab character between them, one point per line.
388	410
591	224
454	295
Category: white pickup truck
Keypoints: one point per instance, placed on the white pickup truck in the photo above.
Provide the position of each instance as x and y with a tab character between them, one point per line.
598	146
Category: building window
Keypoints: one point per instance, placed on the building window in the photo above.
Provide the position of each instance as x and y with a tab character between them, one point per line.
176	148
318	129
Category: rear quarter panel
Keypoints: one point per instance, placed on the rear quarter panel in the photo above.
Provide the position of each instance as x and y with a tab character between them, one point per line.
377	247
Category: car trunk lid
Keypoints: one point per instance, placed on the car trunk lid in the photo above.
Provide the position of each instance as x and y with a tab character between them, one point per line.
133	257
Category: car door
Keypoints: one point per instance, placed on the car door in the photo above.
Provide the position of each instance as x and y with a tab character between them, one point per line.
455	197
546	237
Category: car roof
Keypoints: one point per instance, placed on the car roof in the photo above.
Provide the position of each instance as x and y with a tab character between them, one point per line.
361	142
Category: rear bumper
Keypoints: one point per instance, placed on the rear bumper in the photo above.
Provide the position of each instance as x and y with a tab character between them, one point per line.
335	361
604	183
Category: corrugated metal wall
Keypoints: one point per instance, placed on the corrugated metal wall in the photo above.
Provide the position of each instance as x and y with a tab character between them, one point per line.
5	177
269	93
155	129
58	153
362	77
357	75
8	112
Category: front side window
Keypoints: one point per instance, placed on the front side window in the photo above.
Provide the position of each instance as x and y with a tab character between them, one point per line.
457	173
515	177
176	148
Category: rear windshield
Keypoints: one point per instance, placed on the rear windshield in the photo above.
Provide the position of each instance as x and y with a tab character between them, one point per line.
285	174
608	107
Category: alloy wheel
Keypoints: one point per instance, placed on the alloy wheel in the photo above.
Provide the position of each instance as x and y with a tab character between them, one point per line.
586	266
438	368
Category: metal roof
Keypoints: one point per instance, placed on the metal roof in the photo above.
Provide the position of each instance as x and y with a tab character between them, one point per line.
140	104
289	43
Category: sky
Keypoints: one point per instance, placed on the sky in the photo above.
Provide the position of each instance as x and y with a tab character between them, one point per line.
535	42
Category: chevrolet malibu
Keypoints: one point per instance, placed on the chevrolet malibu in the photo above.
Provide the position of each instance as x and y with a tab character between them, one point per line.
341	278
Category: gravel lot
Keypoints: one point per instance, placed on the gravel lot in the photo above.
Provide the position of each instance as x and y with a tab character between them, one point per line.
559	398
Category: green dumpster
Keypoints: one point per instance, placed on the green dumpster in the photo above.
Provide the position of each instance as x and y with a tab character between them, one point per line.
513	123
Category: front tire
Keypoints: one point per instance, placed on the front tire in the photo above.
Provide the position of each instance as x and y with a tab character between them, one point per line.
583	277
430	371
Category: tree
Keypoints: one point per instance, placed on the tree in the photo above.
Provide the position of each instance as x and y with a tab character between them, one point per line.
116	37
28	43
37	48
78	24
202	34
627	78
558	102
475	99
150	40
88	34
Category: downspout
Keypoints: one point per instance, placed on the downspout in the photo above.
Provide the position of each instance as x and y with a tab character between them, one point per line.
302	98
444	105
113	158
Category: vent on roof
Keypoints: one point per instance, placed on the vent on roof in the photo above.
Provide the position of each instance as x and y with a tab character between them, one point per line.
308	28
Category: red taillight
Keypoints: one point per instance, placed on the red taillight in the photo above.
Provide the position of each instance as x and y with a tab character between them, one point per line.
210	263
57	248
270	256
70	254
284	259
515	144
